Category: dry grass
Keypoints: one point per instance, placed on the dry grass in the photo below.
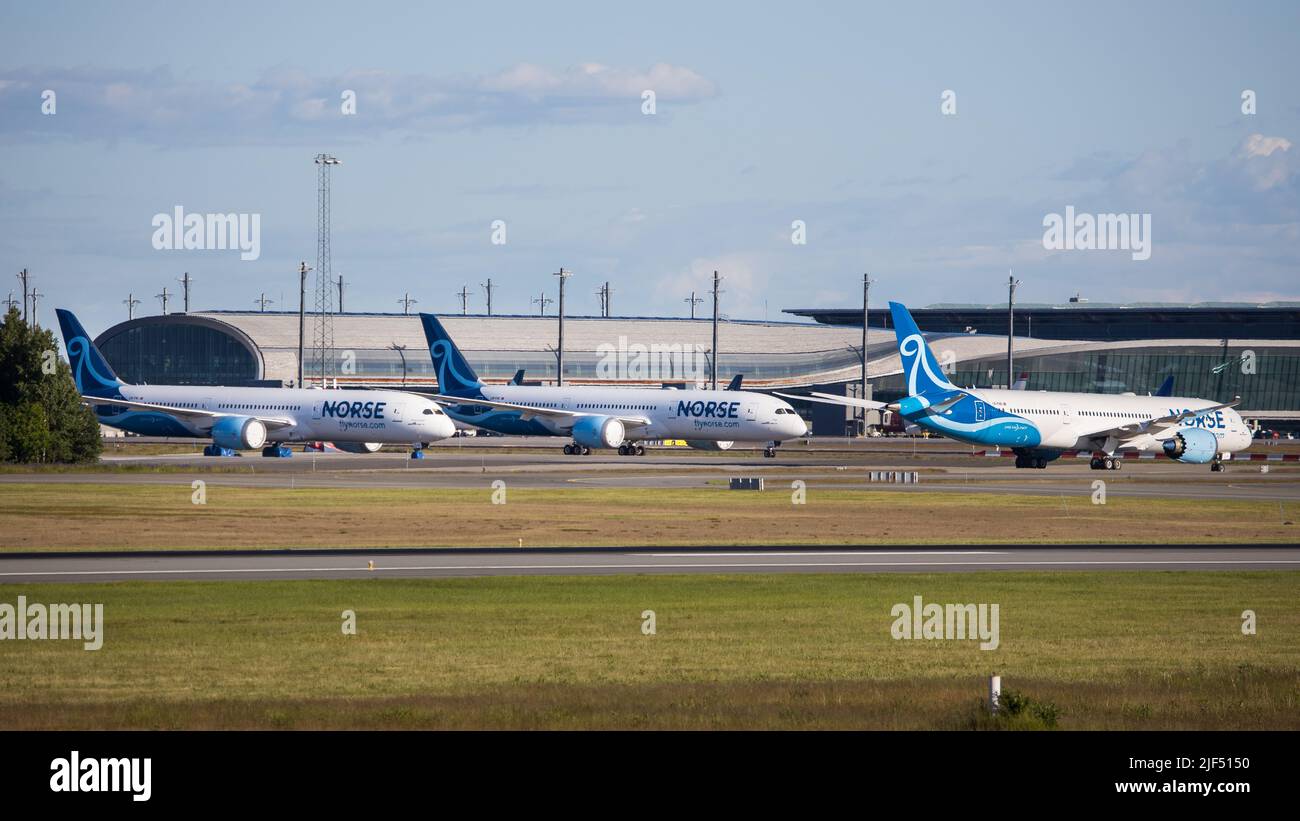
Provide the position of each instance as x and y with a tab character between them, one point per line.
1242	700
1143	650
161	516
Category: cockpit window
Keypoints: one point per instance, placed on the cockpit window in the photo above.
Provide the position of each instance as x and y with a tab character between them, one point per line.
433	411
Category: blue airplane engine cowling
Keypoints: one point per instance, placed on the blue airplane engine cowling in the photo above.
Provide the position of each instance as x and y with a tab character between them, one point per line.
598	432
239	433
1192	445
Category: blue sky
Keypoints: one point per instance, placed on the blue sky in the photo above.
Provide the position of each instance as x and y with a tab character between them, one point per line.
766	114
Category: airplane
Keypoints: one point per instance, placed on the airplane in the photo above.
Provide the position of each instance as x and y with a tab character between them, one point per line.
250	418
601	417
1039	425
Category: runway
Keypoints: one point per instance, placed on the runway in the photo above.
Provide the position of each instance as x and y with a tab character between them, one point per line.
417	563
940	468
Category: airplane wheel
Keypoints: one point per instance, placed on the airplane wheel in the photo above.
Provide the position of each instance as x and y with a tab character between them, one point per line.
568	450
622	450
586	451
1108	463
1095	463
1040	463
640	450
1119	464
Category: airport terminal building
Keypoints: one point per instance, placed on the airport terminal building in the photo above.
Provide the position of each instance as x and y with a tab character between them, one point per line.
1211	351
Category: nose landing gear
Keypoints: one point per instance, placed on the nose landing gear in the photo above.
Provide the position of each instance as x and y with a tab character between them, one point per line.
770	451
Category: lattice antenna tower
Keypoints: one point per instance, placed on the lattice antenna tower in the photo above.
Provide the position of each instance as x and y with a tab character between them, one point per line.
323	356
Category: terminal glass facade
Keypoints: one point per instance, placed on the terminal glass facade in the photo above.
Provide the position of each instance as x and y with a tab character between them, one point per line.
685	365
179	353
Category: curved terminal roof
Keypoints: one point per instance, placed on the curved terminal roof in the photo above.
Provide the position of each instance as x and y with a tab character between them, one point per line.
389	349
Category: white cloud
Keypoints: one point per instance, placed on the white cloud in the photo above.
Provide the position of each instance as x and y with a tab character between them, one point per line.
744	284
1257	145
1267	161
285	103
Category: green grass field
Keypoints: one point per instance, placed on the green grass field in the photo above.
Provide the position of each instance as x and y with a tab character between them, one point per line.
72	516
1144	650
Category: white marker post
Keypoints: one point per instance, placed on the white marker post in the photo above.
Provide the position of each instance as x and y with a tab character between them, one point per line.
995	693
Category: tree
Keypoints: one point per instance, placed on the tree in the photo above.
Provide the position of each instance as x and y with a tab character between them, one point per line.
41	415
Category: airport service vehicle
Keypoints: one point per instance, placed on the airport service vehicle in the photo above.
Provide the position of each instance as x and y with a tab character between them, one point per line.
250	418
601	417
1039	425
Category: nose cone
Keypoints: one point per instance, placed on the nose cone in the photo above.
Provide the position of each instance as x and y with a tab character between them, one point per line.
793	426
444	427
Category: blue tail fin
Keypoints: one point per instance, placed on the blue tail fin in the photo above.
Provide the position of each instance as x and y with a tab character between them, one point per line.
455	376
92	372
1166	387
924	375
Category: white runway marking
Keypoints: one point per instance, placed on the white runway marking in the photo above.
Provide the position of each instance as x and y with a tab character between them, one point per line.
830	553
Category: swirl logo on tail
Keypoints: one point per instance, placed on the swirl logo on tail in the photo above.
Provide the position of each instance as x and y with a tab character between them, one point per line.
917	357
88	379
450	379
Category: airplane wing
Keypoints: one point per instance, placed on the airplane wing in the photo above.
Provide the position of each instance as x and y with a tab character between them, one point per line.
1137	427
832	399
195	414
565	418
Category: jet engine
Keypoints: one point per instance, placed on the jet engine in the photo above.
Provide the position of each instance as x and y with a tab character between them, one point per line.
1192	445
709	444
358	447
598	432
239	433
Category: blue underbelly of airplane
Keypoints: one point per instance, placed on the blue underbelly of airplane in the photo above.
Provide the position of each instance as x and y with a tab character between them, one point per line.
1005	431
507	422
147	423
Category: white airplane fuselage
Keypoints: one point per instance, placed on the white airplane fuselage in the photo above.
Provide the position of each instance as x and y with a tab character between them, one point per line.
1050	419
385	417
700	415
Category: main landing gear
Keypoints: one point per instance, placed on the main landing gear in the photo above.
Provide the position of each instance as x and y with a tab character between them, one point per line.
574	449
1100	462
631	449
1037	462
